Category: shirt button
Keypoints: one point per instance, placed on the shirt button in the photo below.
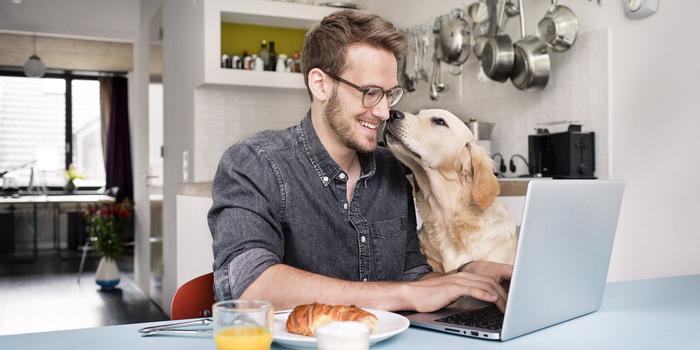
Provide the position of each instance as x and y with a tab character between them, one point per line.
363	239
364	280
345	206
342	176
325	179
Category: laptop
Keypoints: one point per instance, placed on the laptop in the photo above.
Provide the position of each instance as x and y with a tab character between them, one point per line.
561	263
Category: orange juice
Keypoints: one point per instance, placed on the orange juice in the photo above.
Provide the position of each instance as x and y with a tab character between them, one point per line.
243	338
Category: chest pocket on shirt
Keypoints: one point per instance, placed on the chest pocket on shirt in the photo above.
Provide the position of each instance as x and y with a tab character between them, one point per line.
389	247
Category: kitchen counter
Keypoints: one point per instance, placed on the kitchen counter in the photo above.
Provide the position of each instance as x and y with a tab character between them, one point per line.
509	187
195	189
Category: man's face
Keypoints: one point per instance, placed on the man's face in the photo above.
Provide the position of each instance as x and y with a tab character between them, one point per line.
355	125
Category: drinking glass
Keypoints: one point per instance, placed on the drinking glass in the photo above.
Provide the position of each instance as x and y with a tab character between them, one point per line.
243	325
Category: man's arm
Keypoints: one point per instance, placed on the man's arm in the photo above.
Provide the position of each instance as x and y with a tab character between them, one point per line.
287	287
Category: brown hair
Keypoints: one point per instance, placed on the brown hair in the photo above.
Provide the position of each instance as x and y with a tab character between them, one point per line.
326	42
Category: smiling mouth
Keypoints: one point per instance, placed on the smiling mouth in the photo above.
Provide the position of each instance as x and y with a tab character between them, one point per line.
368	125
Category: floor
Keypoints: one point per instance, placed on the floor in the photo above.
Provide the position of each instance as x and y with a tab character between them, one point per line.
44	295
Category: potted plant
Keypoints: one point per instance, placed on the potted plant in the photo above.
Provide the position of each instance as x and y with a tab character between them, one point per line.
106	222
71	175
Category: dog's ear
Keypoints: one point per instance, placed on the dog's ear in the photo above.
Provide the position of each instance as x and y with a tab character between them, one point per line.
485	186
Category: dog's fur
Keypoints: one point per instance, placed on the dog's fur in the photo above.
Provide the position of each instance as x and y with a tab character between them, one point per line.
455	190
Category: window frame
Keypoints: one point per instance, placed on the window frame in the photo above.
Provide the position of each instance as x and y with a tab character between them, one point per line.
68	76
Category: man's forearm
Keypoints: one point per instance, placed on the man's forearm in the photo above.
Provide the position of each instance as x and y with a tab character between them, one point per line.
286	287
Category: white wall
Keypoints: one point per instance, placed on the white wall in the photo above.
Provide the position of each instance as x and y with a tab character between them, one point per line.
182	67
653	118
96	19
224	116
139	135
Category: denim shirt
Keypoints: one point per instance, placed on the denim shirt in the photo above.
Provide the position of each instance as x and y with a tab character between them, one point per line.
279	198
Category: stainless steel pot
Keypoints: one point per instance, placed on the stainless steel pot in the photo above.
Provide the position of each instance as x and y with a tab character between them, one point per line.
531	65
558	28
498	54
453	39
478	14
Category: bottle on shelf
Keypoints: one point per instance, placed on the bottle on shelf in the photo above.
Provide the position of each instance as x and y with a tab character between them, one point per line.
272	59
264	54
281	65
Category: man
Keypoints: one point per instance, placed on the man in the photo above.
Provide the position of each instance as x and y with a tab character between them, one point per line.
318	213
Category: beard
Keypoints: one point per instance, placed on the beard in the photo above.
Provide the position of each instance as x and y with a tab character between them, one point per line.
343	126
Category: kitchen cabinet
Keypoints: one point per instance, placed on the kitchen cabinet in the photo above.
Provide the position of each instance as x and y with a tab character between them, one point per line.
194	252
256	12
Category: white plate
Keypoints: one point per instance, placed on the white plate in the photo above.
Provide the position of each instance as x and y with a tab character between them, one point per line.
389	325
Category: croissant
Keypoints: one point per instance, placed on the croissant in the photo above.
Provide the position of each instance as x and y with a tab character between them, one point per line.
305	319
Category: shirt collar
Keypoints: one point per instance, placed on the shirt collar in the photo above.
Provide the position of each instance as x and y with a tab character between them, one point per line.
326	168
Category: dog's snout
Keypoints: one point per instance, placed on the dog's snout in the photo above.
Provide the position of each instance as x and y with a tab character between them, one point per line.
395	115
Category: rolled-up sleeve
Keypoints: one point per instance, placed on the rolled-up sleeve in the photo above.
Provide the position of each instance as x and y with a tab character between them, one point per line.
415	265
245	218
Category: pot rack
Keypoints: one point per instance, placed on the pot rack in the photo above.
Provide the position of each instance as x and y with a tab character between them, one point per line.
421	38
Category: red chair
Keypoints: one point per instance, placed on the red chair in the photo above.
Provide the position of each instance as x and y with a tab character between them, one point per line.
194	299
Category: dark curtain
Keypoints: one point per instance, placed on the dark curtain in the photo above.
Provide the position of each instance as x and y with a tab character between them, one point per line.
118	160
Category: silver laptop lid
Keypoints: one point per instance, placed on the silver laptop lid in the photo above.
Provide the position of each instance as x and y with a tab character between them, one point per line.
563	253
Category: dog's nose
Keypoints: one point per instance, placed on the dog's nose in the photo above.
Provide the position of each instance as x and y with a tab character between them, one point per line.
395	115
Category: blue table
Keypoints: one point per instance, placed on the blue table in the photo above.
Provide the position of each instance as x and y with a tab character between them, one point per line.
647	314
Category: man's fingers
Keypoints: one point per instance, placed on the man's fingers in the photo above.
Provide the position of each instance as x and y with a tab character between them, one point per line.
488	283
506	271
482	294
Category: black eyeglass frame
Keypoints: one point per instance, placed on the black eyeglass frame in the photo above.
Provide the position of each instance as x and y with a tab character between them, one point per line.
365	89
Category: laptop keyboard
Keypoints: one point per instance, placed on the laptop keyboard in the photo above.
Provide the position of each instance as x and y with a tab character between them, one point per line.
488	318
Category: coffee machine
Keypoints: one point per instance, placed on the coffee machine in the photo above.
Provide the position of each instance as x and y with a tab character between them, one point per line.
562	155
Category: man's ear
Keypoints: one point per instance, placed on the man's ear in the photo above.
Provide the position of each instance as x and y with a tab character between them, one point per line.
485	186
319	85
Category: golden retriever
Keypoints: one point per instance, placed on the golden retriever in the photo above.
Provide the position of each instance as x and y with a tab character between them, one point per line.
454	188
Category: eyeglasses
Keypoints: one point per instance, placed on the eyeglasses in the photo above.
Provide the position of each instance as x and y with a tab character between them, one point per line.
372	95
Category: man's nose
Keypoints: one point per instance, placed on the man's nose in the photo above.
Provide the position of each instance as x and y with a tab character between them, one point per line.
395	115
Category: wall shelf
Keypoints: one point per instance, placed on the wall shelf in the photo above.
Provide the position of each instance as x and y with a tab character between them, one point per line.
257	12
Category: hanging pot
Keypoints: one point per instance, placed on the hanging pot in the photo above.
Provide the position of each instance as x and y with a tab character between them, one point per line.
477	15
531	65
498	54
453	38
559	28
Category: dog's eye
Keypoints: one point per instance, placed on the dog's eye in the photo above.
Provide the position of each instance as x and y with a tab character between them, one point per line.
439	121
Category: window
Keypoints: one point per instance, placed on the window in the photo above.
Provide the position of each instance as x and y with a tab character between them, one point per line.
40	137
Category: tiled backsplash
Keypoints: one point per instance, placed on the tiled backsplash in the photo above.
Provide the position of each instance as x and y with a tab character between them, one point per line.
577	90
224	116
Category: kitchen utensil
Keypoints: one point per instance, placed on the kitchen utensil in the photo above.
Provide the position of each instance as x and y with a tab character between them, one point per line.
452	38
498	55
341	4
404	80
531	65
420	48
478	14
438	83
410	68
510	9
481	130
434	93
184	328
559	27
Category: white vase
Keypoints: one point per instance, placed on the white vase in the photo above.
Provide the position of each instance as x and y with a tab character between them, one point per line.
107	275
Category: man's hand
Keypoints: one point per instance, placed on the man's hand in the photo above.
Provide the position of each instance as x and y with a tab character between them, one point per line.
431	294
499	272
